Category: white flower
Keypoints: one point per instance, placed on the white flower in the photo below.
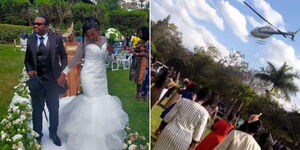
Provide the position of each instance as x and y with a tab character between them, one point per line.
127	128
114	34
3	135
17	121
16	137
15	108
8	125
20	148
129	142
14	146
34	134
143	138
124	146
9	117
133	136
20	144
22	117
37	146
142	147
4	121
132	147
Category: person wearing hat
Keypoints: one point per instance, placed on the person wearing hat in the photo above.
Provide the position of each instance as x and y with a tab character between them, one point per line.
73	77
45	59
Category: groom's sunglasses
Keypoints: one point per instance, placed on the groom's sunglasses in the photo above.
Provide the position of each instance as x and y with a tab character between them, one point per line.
38	24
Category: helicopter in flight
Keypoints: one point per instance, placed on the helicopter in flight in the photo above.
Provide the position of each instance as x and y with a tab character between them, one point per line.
267	31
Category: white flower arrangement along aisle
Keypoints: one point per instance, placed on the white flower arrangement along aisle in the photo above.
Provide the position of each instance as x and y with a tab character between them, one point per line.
17	134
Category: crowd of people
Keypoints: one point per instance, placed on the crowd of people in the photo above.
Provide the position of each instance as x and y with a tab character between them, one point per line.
189	107
138	45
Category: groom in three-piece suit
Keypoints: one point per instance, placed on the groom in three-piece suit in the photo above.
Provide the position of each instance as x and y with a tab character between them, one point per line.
45	58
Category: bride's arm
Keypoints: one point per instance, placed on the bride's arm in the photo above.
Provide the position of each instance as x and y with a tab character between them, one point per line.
77	57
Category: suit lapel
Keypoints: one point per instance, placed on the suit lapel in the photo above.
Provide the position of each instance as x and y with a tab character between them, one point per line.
52	47
33	47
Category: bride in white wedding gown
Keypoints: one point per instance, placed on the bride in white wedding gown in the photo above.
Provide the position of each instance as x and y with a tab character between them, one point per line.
93	120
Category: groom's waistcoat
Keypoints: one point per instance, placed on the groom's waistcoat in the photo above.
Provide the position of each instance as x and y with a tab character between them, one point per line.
44	67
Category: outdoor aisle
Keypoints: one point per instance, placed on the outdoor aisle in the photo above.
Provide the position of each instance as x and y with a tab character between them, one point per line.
47	143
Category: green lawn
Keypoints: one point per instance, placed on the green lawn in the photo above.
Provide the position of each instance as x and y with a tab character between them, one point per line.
11	62
138	112
11	65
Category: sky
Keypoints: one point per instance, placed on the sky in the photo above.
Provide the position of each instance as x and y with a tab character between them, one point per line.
227	25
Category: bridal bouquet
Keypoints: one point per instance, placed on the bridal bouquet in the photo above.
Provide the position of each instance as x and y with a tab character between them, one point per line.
113	35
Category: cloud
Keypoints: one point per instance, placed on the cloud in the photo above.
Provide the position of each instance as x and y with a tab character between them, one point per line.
270	14
278	52
240	1
235	19
193	33
255	23
159	10
200	9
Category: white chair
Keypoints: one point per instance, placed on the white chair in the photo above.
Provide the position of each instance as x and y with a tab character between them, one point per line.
23	43
114	62
16	45
125	60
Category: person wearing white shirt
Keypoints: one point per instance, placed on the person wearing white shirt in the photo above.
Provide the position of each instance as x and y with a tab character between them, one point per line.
242	140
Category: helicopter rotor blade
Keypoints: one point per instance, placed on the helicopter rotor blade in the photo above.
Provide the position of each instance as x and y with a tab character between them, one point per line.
264	19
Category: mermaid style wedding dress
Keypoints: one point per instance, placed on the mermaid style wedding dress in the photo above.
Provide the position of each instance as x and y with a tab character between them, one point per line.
94	120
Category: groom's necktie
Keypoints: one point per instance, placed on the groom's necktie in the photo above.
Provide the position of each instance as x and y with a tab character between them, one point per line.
42	45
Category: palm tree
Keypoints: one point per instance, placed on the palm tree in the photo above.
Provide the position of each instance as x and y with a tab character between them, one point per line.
282	80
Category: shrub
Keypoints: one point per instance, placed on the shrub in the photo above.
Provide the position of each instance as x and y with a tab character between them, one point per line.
128	21
10	32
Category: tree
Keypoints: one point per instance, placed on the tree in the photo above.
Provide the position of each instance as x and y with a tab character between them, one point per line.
167	41
244	94
111	4
63	9
14	11
282	80
135	4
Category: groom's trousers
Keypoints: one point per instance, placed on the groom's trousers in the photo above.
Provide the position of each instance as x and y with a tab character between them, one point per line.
52	103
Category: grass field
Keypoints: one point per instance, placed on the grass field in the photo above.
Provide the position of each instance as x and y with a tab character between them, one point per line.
138	112
11	64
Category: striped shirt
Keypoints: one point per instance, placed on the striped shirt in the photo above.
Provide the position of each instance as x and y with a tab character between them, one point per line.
186	122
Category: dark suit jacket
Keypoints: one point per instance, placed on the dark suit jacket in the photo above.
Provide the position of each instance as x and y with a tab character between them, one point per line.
58	54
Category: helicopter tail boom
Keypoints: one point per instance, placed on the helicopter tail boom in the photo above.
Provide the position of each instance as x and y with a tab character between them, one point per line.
294	33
